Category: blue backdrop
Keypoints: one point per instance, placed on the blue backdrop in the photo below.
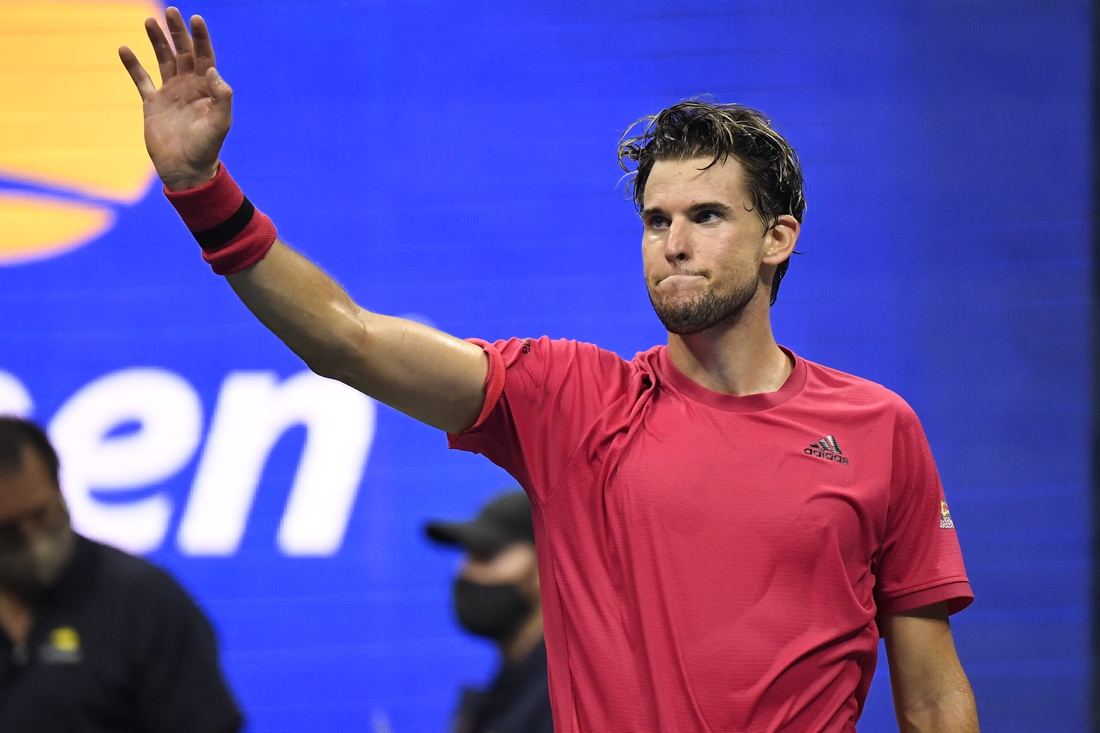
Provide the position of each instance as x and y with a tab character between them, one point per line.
455	162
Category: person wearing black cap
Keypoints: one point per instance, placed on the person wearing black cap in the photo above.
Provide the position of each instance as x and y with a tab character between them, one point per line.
496	595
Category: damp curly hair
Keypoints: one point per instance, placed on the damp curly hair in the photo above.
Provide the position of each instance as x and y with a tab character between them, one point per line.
699	128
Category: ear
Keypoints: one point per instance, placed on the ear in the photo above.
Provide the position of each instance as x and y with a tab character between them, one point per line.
780	240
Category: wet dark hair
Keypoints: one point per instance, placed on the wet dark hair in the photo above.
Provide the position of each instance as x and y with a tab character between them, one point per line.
698	128
17	434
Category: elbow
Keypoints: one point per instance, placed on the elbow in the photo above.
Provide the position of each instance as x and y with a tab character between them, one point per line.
954	712
326	368
343	356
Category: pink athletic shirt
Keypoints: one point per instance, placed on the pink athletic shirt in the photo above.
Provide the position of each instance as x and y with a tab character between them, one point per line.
711	562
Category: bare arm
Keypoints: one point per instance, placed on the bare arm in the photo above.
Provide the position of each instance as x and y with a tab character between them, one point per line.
426	374
931	692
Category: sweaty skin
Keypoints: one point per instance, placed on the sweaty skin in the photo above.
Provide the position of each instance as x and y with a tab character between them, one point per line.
702	240
699	240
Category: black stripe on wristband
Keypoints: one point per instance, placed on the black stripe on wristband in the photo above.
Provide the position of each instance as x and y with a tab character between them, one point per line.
218	236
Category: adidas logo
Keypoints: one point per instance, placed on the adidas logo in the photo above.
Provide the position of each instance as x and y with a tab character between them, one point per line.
828	449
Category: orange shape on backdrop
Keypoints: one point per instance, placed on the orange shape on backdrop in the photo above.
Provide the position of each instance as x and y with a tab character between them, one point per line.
73	118
33	227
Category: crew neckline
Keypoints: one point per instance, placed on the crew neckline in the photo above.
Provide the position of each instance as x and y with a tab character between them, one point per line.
733	403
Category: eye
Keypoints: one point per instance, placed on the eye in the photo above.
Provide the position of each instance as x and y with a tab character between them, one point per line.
708	217
656	222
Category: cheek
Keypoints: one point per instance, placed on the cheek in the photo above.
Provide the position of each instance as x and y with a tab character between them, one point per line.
739	253
651	260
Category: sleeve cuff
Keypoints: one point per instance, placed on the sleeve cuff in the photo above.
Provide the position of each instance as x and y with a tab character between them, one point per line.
494	387
957	594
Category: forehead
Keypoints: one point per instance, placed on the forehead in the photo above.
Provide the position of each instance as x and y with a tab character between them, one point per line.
689	181
27	488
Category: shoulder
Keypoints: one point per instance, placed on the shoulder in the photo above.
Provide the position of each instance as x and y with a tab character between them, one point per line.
556	348
833	386
126	568
878	415
548	356
137	579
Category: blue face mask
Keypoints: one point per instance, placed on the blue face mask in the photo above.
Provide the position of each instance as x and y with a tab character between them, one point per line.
493	611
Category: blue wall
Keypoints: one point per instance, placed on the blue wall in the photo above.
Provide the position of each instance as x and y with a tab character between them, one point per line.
457	162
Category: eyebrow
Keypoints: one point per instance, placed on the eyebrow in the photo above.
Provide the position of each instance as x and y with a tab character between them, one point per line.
693	209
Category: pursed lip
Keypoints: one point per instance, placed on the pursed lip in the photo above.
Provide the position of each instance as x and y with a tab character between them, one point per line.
679	278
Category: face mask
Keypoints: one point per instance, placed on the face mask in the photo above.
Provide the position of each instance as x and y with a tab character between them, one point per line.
34	567
494	611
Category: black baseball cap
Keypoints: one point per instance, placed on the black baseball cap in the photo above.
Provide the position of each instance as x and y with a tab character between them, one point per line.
504	520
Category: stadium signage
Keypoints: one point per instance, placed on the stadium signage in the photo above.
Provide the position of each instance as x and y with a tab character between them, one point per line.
127	432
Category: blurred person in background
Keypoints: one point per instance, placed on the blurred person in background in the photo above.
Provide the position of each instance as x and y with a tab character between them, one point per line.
496	596
92	639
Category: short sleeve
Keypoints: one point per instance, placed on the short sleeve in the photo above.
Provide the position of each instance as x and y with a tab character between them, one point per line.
180	688
542	396
920	562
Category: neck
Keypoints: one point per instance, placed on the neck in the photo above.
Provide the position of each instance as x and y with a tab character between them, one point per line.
523	641
738	356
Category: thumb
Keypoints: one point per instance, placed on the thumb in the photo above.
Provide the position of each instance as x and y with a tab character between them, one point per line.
219	90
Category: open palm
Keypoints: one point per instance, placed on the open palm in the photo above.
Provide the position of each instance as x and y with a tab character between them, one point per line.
187	119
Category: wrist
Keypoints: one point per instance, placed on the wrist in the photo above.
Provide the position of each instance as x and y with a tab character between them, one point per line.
192	179
233	234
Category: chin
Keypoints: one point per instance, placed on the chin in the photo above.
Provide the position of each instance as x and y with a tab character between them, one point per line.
687	314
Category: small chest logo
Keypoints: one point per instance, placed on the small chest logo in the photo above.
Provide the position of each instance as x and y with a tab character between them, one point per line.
828	449
63	647
945	516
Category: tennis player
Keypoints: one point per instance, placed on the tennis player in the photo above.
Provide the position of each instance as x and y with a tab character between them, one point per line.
724	529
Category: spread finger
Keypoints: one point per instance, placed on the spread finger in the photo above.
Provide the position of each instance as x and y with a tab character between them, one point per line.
204	48
137	72
185	52
166	57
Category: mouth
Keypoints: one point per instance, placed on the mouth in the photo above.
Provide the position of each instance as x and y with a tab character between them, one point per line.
680	280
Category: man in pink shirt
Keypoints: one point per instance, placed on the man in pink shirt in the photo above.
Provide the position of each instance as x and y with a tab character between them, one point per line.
724	529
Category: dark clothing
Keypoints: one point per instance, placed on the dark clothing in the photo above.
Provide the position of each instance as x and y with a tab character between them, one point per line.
117	646
517	702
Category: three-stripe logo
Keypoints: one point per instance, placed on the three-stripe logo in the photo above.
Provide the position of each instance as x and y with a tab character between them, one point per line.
827	448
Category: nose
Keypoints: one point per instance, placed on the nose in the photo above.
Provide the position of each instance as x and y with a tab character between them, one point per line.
678	241
19	531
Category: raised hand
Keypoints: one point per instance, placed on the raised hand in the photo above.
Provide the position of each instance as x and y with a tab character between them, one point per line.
187	119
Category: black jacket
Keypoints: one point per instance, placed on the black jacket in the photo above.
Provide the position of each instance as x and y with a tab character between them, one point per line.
517	702
117	646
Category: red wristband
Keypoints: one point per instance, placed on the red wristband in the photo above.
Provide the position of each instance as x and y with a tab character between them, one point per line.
233	234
